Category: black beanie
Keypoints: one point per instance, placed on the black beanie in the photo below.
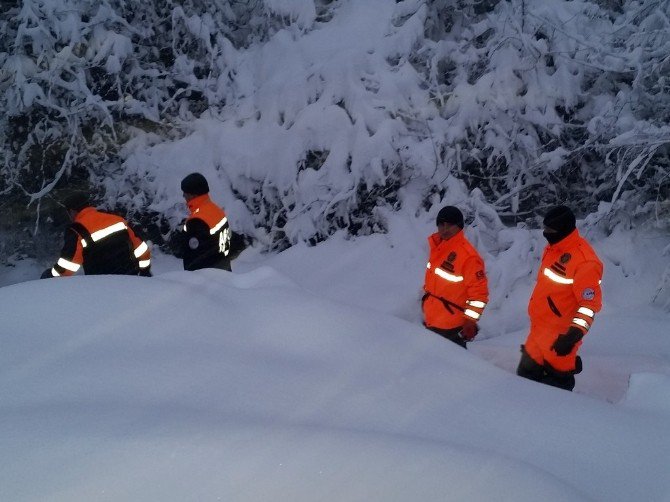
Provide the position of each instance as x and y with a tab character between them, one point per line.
77	201
195	184
451	215
561	219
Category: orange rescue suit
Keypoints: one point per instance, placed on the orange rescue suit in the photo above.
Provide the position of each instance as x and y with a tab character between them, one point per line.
455	284
567	294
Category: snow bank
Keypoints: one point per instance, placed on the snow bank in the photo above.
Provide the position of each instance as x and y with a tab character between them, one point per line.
248	387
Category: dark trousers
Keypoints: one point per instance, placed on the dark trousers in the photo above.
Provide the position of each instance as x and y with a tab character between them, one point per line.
452	334
545	374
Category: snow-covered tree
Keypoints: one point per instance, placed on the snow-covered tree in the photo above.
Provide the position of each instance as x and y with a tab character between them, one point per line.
311	116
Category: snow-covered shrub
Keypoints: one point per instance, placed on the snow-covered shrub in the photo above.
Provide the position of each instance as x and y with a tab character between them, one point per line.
308	116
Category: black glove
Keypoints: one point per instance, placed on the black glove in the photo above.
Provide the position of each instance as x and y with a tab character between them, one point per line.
46	274
177	241
565	343
145	272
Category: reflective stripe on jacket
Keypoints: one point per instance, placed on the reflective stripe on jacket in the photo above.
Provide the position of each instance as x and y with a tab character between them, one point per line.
102	243
568	291
207	235
455	282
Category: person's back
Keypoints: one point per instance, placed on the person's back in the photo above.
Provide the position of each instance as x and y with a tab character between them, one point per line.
204	241
108	248
100	242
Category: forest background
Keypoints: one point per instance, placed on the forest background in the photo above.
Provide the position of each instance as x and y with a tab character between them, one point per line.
314	116
306	373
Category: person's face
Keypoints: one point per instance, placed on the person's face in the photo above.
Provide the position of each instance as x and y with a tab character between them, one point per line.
446	230
188	196
551	235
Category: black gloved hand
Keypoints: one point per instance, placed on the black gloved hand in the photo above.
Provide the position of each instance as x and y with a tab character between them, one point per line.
177	241
46	274
145	272
565	343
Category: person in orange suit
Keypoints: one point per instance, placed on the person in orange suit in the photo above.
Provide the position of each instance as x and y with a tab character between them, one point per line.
456	288
563	304
101	243
204	239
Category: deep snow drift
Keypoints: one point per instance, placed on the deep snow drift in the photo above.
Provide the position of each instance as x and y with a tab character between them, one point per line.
307	376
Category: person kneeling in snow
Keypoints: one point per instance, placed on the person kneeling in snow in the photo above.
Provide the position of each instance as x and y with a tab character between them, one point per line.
563	304
102	243
456	288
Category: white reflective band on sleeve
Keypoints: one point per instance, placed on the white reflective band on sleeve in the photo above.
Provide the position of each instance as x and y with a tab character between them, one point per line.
586	311
83	243
101	234
472	313
54	272
141	249
556	278
428	265
218	226
68	265
476	304
448	276
145	263
581	322
184	227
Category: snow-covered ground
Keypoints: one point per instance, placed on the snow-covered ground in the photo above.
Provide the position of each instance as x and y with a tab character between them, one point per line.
307	376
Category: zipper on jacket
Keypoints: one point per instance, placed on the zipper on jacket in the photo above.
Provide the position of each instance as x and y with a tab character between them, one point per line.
553	307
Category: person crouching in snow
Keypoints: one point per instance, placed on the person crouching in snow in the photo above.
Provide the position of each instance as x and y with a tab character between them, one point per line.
101	243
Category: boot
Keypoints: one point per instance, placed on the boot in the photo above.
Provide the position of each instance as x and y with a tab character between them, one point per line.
560	379
528	368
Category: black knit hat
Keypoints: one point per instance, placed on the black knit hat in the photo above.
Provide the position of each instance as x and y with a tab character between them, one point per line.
561	219
195	184
77	201
451	215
